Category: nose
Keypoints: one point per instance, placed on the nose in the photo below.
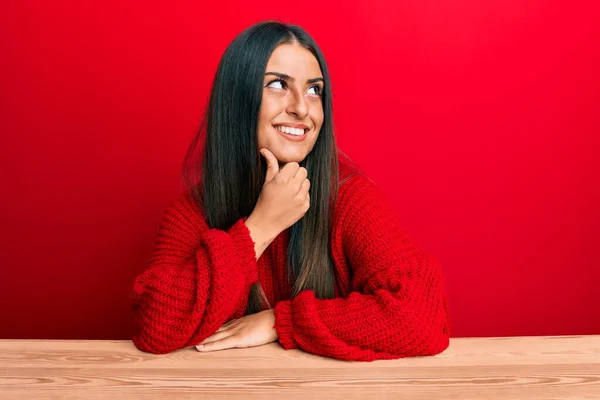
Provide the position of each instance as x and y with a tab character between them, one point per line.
297	105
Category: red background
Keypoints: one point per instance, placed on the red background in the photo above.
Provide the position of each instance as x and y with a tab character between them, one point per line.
479	119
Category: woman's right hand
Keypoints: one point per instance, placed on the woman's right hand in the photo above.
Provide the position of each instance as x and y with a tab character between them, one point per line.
284	198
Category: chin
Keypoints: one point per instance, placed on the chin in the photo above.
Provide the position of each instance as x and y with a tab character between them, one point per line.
284	159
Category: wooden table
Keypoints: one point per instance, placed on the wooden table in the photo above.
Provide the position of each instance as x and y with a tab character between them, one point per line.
542	367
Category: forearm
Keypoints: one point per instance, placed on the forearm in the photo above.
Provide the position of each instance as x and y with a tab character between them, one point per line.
391	317
191	288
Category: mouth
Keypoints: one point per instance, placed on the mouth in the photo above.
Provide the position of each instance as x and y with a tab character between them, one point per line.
292	134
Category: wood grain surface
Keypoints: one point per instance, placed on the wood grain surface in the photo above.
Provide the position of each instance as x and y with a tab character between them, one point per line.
534	367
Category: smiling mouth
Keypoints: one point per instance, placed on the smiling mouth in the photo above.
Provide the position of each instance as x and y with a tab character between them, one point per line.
291	131
296	135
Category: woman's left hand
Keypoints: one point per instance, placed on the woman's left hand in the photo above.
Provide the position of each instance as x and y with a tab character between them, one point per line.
248	331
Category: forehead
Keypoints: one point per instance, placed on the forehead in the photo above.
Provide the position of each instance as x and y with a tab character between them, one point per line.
294	60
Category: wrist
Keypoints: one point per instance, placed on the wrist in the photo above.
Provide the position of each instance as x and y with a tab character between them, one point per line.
261	237
265	233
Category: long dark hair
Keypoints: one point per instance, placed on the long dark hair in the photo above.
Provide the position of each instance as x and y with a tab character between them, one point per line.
233	171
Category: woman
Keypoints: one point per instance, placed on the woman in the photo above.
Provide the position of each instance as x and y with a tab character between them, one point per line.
280	237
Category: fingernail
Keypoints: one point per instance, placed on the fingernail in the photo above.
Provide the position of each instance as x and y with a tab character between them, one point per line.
200	346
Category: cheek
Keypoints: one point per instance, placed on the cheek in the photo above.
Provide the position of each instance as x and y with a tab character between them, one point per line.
268	111
270	107
317	115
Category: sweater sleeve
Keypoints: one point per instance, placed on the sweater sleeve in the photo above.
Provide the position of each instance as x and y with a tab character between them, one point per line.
397	307
196	280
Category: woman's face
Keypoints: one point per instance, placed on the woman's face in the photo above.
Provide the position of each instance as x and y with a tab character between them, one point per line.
291	112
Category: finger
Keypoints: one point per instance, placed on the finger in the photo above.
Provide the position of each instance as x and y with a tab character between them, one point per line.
304	187
289	170
229	342
228	325
299	178
272	164
217	336
301	174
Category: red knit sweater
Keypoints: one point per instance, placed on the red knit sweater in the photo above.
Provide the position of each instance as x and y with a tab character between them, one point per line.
389	296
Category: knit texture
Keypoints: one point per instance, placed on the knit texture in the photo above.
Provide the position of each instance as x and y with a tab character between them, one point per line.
389	300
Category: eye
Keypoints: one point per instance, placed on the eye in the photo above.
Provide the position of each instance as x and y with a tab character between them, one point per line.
276	81
316	88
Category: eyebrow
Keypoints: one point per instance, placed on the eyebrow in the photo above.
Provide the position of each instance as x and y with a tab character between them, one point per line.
289	78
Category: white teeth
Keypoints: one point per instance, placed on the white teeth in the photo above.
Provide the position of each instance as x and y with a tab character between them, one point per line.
291	131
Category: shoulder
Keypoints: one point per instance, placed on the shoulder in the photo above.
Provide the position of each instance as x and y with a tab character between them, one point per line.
185	203
359	196
352	179
184	211
347	167
365	217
